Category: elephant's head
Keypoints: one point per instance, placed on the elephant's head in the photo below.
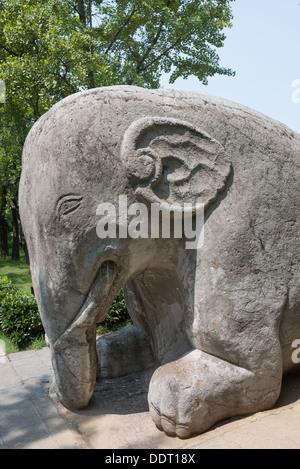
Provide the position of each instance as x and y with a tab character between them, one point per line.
87	150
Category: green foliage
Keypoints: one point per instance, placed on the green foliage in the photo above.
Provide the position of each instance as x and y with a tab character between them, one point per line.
50	49
17	271
10	347
19	317
178	36
118	313
20	321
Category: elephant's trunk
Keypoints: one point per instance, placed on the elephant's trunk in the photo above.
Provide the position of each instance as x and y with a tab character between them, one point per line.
74	356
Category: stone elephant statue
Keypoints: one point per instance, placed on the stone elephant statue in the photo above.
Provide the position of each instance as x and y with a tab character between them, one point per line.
216	322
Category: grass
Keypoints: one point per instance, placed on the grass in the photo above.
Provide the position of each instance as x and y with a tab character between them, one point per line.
10	347
103	329
17	271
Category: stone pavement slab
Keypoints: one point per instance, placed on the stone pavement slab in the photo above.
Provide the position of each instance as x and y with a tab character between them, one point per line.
28	418
117	418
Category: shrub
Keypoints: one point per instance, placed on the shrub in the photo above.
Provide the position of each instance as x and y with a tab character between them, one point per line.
19	316
20	320
118	312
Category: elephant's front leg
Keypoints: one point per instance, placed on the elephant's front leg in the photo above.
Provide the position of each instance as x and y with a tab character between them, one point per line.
191	394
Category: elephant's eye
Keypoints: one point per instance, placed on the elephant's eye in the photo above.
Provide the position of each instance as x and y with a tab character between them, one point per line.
68	204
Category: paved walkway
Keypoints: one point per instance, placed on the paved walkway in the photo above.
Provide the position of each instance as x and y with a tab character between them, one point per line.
28	418
117	417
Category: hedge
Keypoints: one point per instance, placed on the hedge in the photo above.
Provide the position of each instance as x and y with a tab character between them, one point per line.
19	316
20	319
118	313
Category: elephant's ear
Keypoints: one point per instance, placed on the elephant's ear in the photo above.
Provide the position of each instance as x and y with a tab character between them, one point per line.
170	162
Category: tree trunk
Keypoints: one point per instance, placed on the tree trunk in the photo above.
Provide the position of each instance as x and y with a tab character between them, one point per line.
81	11
23	241
15	255
24	245
3	236
3	226
85	17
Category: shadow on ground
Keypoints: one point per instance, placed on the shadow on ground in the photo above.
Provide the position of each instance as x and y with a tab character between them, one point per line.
118	417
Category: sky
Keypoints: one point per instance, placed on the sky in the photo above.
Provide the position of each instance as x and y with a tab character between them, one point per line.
263	48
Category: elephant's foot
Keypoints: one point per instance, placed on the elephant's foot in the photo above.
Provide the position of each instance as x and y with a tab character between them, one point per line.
124	352
191	394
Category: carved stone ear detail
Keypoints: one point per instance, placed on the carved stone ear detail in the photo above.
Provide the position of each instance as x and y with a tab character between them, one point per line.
170	162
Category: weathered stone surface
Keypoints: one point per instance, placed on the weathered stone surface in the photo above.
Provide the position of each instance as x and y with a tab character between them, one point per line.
219	321
124	352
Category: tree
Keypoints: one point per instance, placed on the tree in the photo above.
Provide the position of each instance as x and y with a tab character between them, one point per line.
34	51
50	49
136	41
